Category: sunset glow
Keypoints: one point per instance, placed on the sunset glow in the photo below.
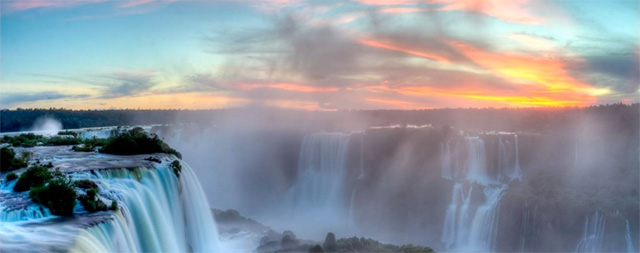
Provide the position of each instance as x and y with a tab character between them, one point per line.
364	54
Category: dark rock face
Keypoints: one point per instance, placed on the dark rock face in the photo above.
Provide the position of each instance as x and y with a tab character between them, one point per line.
330	244
289	241
316	249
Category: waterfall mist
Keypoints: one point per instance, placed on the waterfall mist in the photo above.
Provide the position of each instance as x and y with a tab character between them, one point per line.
456	184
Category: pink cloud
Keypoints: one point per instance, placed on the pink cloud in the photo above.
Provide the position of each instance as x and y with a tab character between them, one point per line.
130	4
12	6
517	11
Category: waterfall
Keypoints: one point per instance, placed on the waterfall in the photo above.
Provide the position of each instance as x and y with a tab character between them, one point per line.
445	150
318	189
517	172
160	212
592	235
469	226
628	239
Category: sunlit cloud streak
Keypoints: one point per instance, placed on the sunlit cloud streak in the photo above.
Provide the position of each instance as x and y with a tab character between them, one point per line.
316	55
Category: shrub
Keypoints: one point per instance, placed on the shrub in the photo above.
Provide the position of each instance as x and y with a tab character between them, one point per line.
176	167
8	160
91	203
114	205
85	184
11	176
89	145
34	177
59	141
23	140
136	141
57	195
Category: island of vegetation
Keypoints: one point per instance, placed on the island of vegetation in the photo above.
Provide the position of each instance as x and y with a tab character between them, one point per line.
53	189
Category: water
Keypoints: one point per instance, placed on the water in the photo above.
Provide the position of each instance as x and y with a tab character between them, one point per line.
318	190
627	238
593	234
471	227
158	212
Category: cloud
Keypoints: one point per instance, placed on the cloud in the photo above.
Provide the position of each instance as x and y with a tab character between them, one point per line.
8	100
127	83
515	11
22	5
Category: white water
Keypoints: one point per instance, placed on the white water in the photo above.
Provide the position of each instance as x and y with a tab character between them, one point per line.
627	238
592	235
470	227
159	213
317	194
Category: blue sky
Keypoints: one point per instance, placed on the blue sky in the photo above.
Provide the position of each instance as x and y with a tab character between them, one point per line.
318	55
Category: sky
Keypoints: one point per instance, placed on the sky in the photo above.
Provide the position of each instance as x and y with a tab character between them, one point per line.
318	55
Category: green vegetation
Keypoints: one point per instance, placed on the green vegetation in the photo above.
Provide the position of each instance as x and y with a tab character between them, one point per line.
35	176
57	192
136	141
8	160
32	140
355	244
67	132
23	140
60	141
11	176
114	205
176	167
89	145
58	195
85	184
91	202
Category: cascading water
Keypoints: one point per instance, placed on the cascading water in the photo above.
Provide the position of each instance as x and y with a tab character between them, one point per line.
592	235
318	190
159	211
163	213
627	238
469	226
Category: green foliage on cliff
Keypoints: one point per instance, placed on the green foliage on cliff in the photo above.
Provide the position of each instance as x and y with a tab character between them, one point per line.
9	161
91	203
11	176
136	141
34	177
58	195
176	167
32	140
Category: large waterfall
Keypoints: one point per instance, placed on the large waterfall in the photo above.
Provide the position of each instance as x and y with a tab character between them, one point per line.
593	234
159	211
318	189
471	224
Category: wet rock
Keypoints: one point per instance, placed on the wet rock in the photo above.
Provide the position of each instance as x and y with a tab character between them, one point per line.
289	241
330	244
317	248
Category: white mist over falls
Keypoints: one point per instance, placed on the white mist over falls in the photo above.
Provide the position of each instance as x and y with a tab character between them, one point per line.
446	188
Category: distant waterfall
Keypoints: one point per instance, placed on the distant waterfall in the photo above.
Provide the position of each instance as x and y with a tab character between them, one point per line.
319	184
593	234
468	226
627	238
159	212
509	159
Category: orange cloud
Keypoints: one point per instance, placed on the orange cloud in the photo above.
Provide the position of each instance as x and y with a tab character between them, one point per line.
285	86
548	72
388	46
524	97
301	88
